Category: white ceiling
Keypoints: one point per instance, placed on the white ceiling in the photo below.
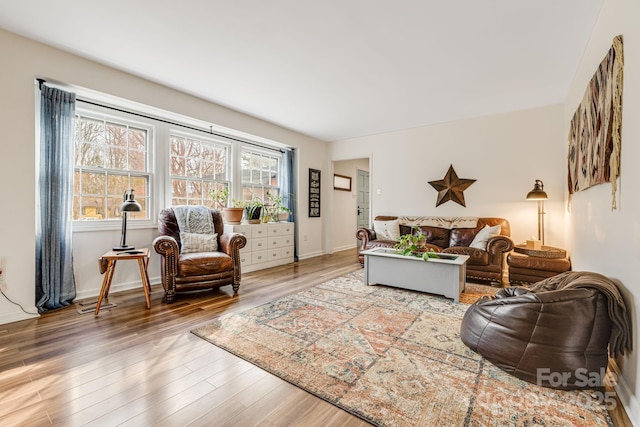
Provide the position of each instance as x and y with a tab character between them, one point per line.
332	69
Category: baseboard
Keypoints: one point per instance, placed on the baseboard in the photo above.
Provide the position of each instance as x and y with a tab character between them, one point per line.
345	248
18	315
311	255
626	396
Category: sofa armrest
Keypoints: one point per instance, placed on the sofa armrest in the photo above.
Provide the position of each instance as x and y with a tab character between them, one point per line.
365	234
497	246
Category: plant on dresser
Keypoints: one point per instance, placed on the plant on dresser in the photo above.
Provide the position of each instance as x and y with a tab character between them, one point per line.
268	244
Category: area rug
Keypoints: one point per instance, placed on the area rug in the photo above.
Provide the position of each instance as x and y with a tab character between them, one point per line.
391	357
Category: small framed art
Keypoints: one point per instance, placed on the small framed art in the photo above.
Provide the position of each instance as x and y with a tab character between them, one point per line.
341	182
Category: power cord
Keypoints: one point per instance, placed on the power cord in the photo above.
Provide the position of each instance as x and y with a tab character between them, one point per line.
15	303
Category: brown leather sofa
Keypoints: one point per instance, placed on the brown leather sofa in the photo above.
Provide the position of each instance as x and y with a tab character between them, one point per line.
557	334
483	265
199	270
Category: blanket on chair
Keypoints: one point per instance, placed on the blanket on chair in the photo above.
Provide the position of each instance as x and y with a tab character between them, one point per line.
620	341
194	219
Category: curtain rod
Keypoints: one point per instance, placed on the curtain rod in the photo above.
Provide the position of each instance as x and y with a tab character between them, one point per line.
210	131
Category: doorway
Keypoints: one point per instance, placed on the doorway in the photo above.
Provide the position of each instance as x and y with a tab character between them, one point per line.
350	209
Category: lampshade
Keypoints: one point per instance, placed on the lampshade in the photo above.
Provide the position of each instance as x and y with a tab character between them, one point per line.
128	205
538	191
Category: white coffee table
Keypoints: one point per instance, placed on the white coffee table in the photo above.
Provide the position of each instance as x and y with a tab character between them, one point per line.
443	276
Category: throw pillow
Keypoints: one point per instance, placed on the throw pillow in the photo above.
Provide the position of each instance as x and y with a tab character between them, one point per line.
198	242
387	230
483	236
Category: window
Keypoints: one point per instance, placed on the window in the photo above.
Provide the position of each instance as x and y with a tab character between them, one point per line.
260	174
197	166
111	156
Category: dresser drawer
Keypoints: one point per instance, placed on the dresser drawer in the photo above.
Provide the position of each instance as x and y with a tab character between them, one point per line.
258	257
258	231
259	244
280	241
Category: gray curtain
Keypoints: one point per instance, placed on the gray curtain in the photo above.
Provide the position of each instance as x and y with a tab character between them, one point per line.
55	283
288	189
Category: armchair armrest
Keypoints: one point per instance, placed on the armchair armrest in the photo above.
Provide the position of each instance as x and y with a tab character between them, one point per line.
169	252
231	243
167	247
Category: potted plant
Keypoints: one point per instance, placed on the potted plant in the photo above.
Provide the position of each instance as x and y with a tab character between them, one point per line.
276	210
253	208
413	243
230	215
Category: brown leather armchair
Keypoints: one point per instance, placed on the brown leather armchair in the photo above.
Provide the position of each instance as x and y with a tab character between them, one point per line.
199	270
558	334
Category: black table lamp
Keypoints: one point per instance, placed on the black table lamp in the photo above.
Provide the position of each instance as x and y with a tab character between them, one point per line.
128	205
540	196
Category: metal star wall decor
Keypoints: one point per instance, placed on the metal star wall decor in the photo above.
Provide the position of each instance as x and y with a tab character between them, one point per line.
451	187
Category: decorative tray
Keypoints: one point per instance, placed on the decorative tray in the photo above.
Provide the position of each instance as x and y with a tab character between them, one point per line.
543	252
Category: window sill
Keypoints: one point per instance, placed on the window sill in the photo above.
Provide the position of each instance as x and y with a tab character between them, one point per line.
92	226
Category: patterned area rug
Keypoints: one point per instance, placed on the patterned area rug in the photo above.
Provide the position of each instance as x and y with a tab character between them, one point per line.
391	357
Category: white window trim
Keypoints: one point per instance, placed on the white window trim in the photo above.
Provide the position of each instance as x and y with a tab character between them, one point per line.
102	113
203	136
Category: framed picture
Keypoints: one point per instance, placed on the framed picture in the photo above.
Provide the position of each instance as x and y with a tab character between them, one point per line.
341	182
314	193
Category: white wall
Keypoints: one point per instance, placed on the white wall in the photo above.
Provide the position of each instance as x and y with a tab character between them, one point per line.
504	153
24	60
600	239
345	205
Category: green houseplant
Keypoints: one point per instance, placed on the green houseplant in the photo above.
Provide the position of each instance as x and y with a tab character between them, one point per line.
253	208
413	243
275	209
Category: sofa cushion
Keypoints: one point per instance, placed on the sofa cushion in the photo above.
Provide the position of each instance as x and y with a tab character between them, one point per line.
387	230
482	238
436	235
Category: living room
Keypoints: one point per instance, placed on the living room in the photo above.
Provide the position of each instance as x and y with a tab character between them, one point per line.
504	152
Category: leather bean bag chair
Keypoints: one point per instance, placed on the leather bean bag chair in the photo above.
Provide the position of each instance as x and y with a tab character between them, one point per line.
557	334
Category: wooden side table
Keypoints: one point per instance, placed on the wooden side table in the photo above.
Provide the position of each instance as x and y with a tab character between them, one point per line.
111	258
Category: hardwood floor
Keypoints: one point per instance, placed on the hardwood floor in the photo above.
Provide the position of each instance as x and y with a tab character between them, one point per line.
136	367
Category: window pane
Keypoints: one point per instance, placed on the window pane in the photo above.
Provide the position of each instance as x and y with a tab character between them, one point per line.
137	139
117	184
117	158
137	161
113	208
193	167
93	183
178	166
179	188
139	186
116	135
